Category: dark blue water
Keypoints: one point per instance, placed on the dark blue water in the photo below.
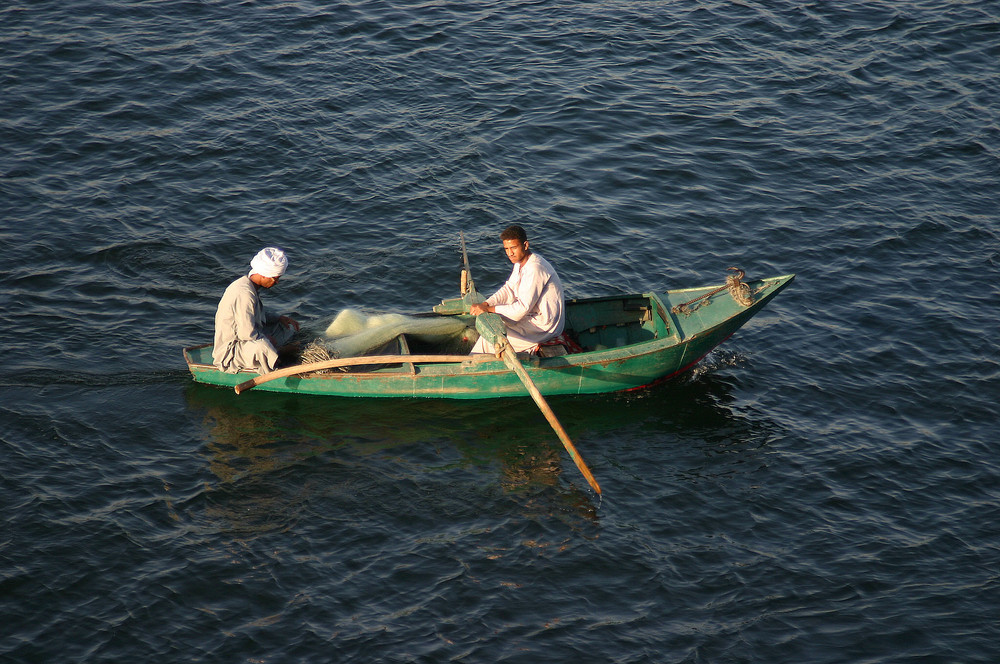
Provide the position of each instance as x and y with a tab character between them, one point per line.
824	488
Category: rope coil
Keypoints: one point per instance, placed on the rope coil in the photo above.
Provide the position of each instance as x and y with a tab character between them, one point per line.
739	290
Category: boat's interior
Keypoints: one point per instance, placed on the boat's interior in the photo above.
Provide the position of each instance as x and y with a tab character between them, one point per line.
611	322
593	324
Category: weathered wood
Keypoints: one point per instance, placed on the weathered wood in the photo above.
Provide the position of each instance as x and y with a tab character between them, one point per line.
357	361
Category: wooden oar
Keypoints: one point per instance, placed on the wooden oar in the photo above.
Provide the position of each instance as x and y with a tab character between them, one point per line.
492	327
354	362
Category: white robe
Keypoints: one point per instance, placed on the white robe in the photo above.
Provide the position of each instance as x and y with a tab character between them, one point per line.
242	328
530	304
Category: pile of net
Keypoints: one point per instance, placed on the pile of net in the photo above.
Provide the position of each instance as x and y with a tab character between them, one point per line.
354	333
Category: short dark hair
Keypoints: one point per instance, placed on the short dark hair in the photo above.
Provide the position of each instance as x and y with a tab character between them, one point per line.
514	233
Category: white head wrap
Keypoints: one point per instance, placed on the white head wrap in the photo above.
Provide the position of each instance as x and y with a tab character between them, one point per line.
269	262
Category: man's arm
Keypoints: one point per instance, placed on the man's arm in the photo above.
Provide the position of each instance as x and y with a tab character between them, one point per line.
529	291
502	296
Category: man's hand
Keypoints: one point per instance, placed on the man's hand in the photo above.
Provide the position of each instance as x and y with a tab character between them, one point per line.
481	308
289	322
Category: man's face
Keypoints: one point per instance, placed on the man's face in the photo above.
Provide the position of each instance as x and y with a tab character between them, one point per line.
517	251
267	282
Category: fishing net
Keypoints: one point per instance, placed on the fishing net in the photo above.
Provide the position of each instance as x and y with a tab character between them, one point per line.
315	351
354	333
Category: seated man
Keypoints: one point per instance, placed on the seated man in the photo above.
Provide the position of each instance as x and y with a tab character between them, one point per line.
530	303
246	337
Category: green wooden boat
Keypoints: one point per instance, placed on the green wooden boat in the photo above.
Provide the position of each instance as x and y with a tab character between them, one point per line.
628	342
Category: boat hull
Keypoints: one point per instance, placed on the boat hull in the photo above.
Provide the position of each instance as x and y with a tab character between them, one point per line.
659	340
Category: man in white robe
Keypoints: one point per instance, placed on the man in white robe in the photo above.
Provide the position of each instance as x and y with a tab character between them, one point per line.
246	336
530	303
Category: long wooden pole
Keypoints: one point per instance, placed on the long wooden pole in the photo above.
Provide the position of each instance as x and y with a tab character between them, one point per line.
354	362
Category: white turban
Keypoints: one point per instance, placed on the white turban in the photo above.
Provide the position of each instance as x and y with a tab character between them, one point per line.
269	262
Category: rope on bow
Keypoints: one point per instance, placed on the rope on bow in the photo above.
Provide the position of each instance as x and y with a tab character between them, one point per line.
739	290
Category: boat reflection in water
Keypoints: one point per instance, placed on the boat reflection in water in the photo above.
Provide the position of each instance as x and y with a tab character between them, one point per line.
261	433
273	453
